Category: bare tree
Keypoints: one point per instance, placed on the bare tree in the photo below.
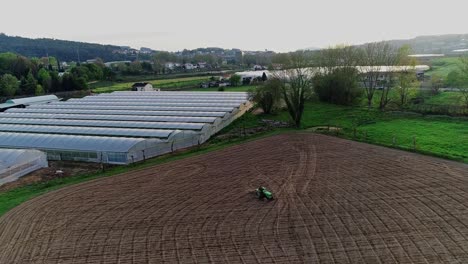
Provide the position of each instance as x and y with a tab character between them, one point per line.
296	80
377	58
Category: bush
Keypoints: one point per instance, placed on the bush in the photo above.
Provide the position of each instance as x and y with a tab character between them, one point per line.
221	89
339	86
268	95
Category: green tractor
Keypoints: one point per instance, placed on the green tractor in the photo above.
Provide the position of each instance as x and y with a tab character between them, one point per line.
262	192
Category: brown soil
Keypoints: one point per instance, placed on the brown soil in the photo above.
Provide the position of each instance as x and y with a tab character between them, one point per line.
337	201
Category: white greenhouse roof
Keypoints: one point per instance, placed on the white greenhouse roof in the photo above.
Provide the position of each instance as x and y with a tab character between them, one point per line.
132	107
68	142
156	100
103	123
207	96
142	103
96	131
179	93
33	100
116	112
112	117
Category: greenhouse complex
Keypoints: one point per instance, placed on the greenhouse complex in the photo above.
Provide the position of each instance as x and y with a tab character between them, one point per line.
120	127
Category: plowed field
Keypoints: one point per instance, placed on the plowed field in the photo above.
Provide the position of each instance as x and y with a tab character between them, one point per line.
337	201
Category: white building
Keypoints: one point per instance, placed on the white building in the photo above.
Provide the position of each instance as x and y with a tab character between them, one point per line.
189	66
143	87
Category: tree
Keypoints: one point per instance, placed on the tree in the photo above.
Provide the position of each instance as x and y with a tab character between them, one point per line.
337	81
235	80
406	85
21	66
264	77
296	83
375	57
8	85
268	95
339	86
406	80
436	83
463	88
28	85
39	90
43	77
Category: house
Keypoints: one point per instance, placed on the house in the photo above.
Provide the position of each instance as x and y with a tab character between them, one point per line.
171	65
202	65
143	87
258	68
189	66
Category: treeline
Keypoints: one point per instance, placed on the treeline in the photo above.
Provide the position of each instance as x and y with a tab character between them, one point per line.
61	49
20	75
337	75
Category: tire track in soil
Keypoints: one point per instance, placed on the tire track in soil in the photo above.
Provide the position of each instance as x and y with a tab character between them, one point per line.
337	202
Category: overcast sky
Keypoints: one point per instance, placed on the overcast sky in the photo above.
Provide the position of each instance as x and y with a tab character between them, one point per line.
279	25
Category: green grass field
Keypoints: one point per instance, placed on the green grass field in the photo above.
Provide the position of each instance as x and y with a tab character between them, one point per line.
107	87
443	66
443	137
227	89
445	98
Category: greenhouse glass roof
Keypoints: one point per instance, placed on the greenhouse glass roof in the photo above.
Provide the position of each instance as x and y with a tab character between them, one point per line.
68	142
103	123
112	117
132	107
116	112
96	131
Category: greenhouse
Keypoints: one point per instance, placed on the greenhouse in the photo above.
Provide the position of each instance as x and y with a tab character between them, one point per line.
132	107
15	163
121	127
118	112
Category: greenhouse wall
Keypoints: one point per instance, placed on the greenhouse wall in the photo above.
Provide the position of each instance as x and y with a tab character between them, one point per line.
20	163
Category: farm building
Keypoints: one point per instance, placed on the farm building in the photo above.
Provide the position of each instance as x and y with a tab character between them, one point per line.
15	163
120	127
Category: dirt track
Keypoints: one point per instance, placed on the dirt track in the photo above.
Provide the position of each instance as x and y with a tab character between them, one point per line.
338	202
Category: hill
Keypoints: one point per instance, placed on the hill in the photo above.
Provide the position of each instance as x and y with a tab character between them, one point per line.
64	50
441	44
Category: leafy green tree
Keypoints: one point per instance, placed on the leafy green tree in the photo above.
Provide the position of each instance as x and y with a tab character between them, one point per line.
43	77
8	85
454	79
463	87
235	80
21	66
28	85
264	77
135	68
340	86
55	82
406	86
6	62
39	90
268	95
